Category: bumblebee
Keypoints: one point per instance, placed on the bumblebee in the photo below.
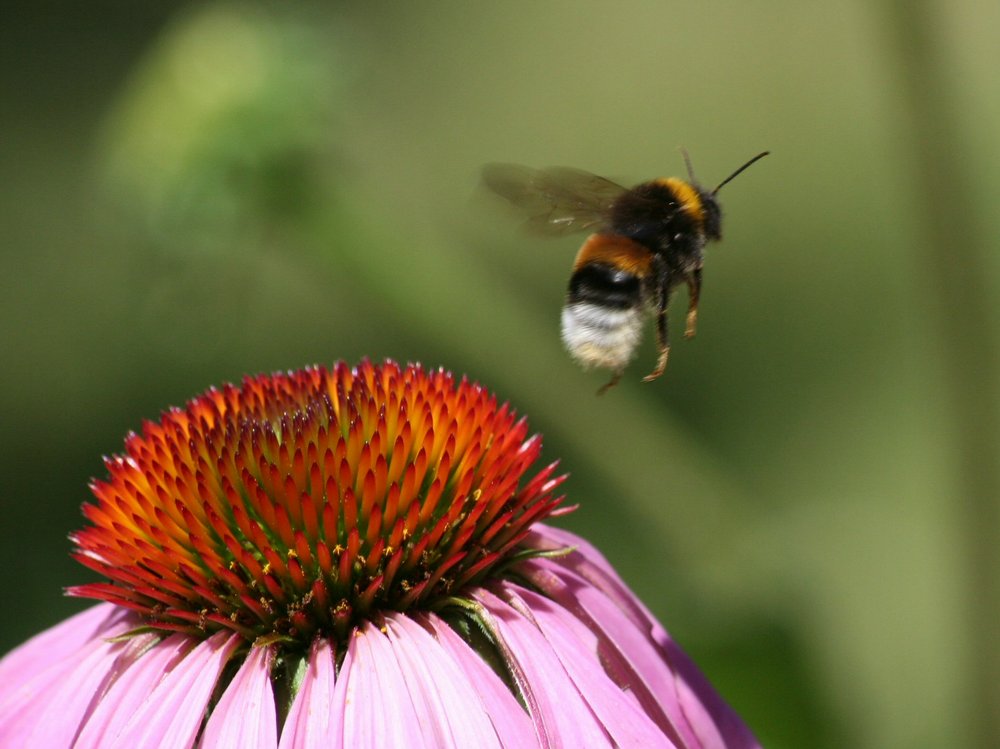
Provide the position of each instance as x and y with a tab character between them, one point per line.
649	240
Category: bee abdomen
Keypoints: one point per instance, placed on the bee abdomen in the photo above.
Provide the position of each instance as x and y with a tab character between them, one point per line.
605	285
603	316
597	335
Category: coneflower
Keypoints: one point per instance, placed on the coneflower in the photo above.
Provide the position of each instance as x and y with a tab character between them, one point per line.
348	558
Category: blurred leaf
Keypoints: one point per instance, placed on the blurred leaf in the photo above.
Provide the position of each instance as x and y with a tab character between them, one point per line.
226	129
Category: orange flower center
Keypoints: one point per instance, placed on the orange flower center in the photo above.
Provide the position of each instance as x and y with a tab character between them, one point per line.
302	503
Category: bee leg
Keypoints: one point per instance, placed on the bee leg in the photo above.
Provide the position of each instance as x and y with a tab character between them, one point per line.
662	343
612	382
694	291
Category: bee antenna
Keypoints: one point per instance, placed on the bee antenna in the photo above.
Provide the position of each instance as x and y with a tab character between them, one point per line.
758	157
687	163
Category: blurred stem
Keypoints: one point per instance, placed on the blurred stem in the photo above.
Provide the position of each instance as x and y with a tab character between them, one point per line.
953	259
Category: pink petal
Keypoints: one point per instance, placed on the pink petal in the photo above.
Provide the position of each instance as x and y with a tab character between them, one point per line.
245	715
590	565
696	710
577	649
57	643
697	693
510	721
47	708
380	711
441	690
134	680
561	715
171	714
315	720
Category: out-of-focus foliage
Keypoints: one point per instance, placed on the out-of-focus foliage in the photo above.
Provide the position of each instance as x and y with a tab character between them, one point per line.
194	194
224	130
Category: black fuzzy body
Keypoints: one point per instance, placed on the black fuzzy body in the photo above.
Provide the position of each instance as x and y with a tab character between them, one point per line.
655	216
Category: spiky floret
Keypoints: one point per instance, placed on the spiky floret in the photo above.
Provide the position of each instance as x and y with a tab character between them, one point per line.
302	503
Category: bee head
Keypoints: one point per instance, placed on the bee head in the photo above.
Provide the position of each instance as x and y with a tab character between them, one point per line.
712	215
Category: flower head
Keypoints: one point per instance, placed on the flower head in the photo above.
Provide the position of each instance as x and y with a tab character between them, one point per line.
301	503
348	558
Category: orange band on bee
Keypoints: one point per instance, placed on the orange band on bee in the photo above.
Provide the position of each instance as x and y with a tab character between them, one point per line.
688	198
617	251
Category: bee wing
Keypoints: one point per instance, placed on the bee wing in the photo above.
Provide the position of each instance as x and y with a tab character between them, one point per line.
558	200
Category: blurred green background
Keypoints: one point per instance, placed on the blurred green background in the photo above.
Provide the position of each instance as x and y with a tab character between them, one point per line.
194	192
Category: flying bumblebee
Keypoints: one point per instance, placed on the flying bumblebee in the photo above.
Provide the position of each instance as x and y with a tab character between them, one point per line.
649	239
